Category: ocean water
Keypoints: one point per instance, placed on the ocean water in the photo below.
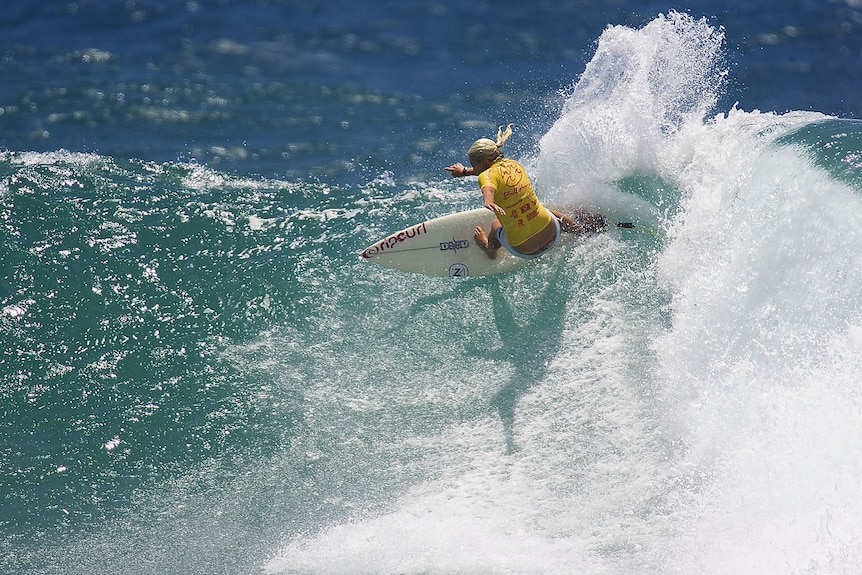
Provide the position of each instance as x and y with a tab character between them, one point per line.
199	375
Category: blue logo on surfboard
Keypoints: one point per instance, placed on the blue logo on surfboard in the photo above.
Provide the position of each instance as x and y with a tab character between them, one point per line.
454	245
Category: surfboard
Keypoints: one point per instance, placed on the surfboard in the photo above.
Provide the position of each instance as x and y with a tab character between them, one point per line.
443	246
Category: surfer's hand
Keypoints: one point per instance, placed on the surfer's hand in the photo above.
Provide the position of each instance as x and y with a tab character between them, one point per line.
457	170
495	208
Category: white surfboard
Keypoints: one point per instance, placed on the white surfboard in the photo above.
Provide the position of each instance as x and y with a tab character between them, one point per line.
444	246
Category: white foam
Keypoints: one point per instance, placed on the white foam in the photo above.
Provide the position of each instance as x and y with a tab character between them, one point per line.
697	413
757	368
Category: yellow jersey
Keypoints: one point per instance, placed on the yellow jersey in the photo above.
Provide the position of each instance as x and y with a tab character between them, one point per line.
525	215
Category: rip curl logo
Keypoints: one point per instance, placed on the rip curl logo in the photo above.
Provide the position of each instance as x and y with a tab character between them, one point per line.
394	240
454	245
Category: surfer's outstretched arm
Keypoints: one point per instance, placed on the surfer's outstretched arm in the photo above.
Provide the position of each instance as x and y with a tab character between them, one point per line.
459	170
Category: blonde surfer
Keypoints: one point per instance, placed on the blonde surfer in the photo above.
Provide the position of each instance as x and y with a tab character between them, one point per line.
523	226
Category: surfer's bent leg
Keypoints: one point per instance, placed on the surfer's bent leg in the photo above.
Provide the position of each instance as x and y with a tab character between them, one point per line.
584	223
486	241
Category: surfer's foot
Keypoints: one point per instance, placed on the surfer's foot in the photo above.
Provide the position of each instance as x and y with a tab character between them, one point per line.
480	236
569	226
594	223
583	223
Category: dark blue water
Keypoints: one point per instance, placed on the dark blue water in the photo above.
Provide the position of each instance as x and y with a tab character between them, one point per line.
199	375
304	90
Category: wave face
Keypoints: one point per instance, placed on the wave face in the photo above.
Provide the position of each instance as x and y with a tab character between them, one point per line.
682	403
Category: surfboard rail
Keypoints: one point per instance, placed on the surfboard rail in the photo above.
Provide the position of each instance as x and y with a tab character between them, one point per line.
445	246
442	246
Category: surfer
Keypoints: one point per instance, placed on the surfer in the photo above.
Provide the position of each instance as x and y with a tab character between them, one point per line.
524	226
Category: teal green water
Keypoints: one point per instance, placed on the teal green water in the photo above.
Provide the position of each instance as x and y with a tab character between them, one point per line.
111	268
165	318
834	146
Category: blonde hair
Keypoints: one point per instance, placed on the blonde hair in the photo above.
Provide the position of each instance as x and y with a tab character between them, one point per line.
484	148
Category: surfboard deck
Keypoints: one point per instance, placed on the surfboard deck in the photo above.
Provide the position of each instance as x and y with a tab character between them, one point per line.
444	246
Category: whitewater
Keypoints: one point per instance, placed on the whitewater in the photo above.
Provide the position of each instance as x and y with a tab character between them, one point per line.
692	407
